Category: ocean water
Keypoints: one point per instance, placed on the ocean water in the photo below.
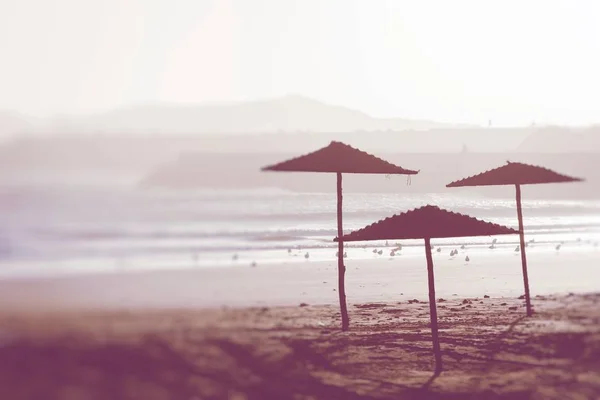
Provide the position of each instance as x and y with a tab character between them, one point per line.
49	231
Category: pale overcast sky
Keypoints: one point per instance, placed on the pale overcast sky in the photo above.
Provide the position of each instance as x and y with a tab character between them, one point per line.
448	60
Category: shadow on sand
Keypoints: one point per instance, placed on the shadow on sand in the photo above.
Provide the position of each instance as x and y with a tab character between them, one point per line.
488	354
152	369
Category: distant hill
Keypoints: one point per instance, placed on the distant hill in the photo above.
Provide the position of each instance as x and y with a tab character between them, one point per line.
190	162
243	171
562	140
291	113
110	152
288	114
116	155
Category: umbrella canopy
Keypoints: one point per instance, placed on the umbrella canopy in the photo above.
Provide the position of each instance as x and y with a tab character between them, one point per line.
340	158
514	173
426	223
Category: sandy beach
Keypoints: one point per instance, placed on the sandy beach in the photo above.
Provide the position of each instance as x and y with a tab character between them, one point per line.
303	200
490	351
272	331
495	273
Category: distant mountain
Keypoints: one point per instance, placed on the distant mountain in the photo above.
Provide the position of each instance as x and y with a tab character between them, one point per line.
290	113
562	140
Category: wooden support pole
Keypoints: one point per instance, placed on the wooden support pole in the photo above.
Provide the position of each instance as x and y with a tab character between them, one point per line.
523	256
433	309
341	267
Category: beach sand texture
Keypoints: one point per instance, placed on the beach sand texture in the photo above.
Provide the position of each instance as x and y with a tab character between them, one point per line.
490	351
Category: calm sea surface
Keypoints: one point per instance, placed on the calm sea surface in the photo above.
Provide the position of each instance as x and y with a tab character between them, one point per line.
67	230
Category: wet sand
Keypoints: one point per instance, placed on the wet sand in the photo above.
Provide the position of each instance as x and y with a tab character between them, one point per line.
494	273
490	351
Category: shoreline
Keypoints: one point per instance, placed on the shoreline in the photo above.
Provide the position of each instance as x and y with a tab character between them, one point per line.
313	282
97	255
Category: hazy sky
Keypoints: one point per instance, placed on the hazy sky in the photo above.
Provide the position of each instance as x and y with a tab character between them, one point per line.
511	61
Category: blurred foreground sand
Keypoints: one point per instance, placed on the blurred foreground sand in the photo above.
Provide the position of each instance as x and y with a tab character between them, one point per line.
490	351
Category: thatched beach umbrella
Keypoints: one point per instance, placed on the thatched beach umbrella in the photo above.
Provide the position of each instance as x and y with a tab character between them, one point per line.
427	223
517	174
340	158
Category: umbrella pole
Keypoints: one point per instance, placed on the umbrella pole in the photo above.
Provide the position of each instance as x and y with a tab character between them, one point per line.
433	309
523	256
341	267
